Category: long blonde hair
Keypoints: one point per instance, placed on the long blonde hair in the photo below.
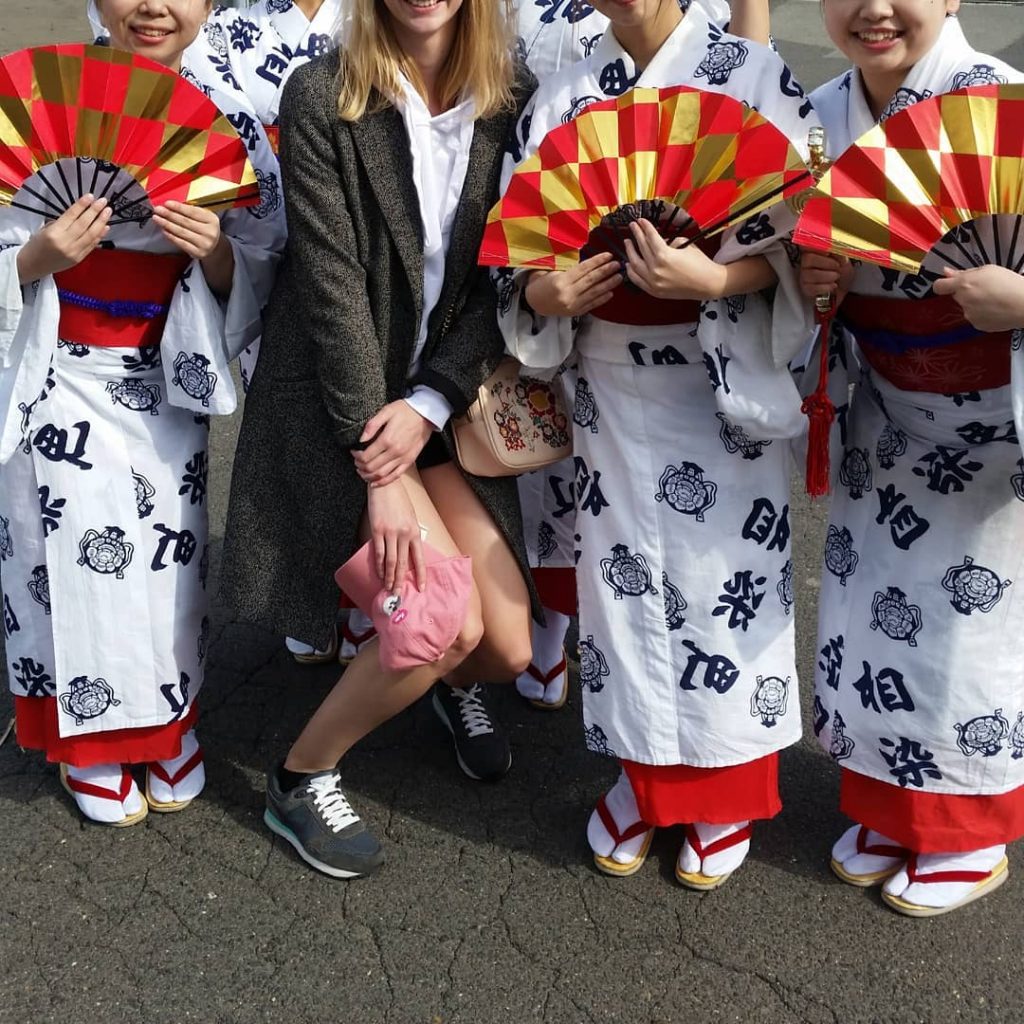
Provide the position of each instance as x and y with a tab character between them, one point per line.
481	62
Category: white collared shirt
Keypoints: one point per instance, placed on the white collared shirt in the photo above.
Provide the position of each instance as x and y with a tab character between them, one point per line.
440	155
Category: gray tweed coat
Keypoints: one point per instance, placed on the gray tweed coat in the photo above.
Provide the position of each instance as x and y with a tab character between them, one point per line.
338	337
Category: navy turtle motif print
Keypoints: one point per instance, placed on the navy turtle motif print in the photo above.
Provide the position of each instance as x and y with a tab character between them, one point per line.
675	604
982	735
979	74
87	698
597	741
769	699
593	665
135	394
39	587
895	616
686	490
736	440
106	551
840	558
193	376
585	412
973	587
855	472
722	58
627	574
903	98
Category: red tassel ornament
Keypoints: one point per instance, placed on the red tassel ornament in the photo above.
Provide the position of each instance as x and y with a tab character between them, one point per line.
818	407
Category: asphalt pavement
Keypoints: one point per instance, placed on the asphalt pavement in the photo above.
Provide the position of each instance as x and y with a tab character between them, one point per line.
488	910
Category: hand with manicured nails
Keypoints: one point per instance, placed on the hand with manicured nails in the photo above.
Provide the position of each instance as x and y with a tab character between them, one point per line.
194	230
991	297
671	270
576	291
395	532
66	241
822	274
397	435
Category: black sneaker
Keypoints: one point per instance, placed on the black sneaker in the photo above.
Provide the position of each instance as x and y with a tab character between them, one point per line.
481	746
317	819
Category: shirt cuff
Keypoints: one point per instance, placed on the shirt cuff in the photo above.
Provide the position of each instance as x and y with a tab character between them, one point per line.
431	405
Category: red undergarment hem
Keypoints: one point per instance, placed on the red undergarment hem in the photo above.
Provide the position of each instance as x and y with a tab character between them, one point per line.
932	822
679	794
556	587
36	729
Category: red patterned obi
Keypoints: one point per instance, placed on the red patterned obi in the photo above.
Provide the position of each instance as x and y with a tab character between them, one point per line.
631	305
926	344
273	137
116	298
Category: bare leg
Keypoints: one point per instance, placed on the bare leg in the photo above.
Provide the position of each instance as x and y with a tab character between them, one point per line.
366	696
505	649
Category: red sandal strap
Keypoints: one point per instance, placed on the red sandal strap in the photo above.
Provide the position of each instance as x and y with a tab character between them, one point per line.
879	849
157	769
943	876
725	843
552	675
91	789
637	828
357	638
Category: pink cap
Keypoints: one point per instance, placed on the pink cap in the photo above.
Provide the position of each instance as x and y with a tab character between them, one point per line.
415	628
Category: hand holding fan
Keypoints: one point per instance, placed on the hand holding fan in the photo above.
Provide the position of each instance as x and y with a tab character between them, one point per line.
648	153
922	178
78	119
917	183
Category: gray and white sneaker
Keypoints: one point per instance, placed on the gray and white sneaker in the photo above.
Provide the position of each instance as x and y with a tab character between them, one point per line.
319	822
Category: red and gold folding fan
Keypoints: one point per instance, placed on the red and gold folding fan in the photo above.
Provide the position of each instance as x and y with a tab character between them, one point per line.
77	119
681	148
905	185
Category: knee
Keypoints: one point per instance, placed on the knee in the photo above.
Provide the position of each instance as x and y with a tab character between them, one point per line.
468	639
513	657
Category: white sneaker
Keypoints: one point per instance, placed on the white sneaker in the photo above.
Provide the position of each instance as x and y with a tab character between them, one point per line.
105	793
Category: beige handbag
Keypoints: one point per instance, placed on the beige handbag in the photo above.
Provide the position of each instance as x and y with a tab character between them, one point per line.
517	424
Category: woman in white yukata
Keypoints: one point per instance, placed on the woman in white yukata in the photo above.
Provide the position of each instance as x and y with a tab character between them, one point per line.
919	690
684	572
104	549
552	36
255	49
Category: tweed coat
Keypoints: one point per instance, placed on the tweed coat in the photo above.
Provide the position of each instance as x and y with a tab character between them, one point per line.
339	334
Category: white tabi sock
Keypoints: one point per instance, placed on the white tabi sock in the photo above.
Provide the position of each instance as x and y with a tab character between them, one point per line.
942	894
714	864
846	853
190	785
548	651
359	622
621	804
105	809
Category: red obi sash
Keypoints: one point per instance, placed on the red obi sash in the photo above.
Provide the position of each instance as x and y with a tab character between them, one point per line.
634	307
926	344
116	298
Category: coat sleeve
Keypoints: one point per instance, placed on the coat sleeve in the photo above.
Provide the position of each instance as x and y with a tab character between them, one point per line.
330	299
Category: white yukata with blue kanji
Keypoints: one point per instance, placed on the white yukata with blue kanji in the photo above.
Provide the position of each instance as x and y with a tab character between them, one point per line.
920	669
684	570
553	35
104	541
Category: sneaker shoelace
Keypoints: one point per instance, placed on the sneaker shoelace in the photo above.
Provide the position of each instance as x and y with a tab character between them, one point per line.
472	711
331	804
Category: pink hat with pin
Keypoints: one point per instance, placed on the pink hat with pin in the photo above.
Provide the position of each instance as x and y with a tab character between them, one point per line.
415	627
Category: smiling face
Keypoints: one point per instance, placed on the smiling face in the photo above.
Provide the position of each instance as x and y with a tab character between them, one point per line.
158	29
424	23
885	38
